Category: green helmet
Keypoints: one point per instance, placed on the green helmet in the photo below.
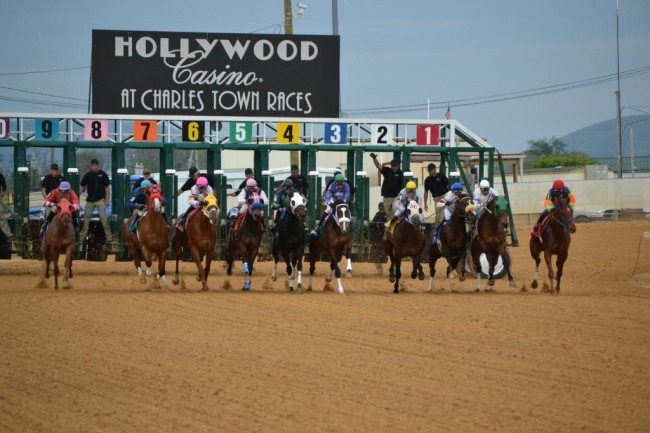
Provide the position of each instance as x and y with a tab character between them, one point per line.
339	178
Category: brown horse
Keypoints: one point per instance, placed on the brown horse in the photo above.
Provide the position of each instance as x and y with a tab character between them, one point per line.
289	241
555	239
59	239
490	240
335	239
452	245
245	244
151	237
199	238
407	240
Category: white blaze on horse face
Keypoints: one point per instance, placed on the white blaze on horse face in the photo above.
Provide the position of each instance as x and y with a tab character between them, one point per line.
157	205
297	200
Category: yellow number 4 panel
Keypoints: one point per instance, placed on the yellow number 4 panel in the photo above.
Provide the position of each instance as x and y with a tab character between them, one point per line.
288	133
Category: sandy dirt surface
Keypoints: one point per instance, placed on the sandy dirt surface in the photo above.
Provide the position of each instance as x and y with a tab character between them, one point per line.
112	355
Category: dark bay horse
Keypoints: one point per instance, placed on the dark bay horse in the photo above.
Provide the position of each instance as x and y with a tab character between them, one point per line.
199	237
335	239
246	243
289	241
151	237
59	239
490	240
407	240
452	245
555	239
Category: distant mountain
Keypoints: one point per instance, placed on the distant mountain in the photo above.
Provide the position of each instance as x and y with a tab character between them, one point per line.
599	139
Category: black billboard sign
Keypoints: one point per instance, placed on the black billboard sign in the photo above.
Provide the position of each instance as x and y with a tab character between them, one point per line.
215	74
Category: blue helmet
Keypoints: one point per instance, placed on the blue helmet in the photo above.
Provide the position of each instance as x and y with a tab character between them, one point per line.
457	187
145	183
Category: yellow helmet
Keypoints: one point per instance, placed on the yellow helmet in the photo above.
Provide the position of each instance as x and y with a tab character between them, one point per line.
410	186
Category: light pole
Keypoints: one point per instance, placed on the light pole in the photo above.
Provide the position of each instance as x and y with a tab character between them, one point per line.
619	141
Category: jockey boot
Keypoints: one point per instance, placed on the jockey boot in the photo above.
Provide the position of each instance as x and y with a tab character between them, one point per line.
134	225
75	222
436	234
319	228
389	223
536	228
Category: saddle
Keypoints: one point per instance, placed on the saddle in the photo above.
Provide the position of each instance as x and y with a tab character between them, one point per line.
181	224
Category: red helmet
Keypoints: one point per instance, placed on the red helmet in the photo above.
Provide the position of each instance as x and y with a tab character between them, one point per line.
558	184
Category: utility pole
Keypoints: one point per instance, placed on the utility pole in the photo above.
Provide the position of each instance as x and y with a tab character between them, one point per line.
288	30
619	141
632	150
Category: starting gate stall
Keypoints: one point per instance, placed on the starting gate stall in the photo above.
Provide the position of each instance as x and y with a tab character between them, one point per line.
446	140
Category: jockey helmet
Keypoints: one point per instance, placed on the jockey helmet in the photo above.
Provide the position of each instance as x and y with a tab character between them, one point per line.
288	183
457	187
200	182
65	186
484	184
339	178
257	205
410	186
251	182
558	185
145	183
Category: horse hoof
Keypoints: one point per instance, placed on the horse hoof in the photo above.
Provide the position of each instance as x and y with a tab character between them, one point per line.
143	280
477	290
198	278
490	283
328	279
395	291
348	274
513	285
247	286
274	277
421	276
66	285
391	278
414	275
534	284
175	280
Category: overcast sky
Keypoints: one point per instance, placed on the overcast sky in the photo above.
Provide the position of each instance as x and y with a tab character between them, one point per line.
393	54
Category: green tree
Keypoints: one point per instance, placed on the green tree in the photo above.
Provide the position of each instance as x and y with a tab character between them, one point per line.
545	146
572	159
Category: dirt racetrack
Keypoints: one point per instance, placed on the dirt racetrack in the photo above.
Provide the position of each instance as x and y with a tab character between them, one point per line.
111	356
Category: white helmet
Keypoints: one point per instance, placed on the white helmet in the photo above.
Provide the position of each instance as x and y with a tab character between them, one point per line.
484	184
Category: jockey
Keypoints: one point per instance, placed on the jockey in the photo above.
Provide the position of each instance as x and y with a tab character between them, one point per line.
54	197
251	195
337	192
483	195
558	191
138	201
197	194
448	202
283	199
403	199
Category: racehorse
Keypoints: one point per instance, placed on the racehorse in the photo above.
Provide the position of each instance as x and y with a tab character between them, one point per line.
199	237
407	240
452	245
151	237
289	241
59	239
491	239
246	243
335	239
555	239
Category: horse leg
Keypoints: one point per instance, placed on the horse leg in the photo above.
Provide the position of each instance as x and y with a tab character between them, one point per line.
146	252
247	272
561	258
314	254
348	255
208	264
398	273
56	270
450	270
506	264
433	258
162	260
298	265
196	256
337	272
548	257
276	258
290	272
68	266
535	250
176	247
492	259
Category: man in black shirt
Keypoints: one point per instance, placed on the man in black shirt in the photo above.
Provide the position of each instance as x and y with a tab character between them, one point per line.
438	185
299	181
392	184
146	175
97	185
4	225
191	181
376	233
52	180
249	175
